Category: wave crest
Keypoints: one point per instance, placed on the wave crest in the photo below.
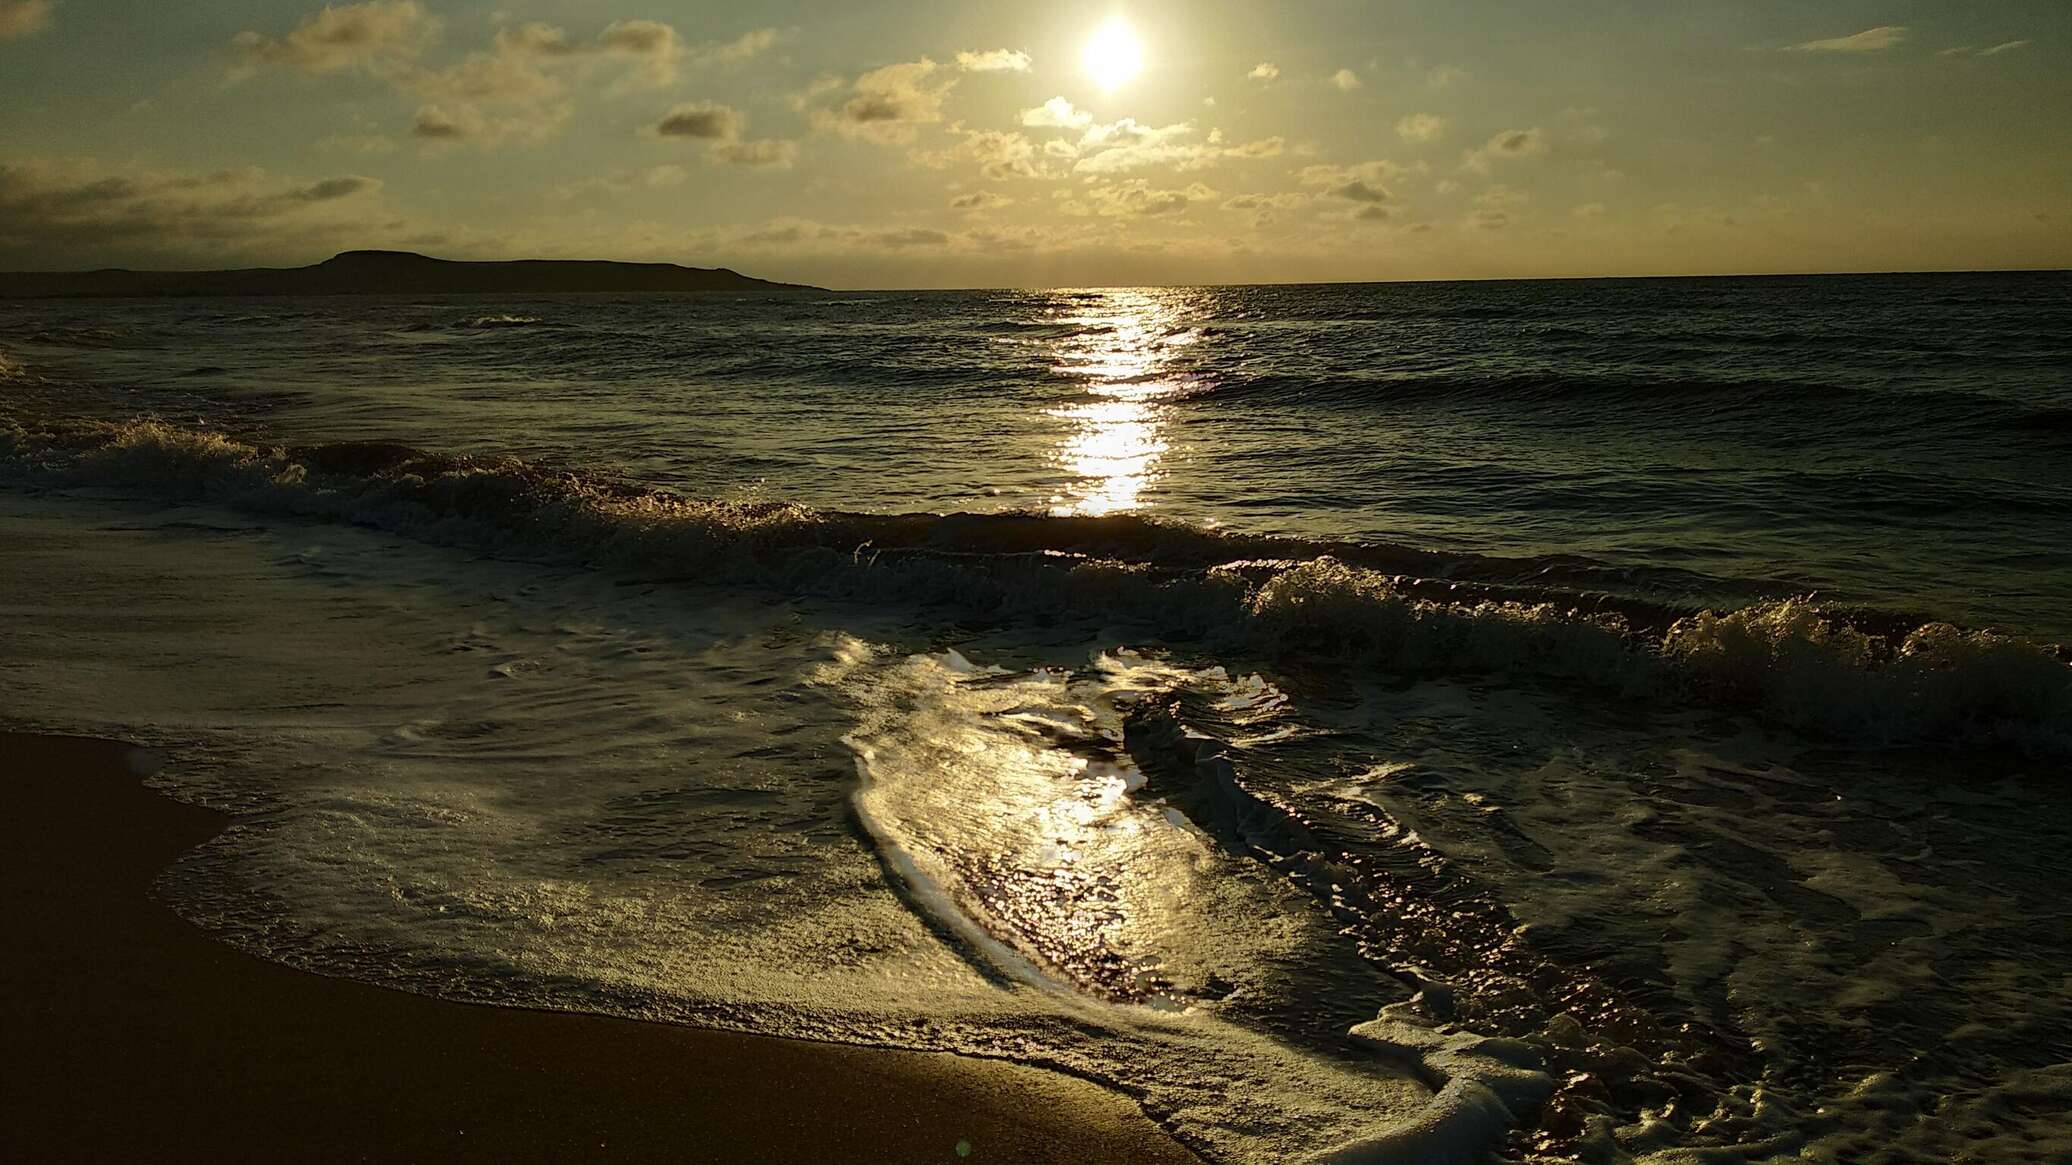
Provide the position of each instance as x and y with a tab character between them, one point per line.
1788	660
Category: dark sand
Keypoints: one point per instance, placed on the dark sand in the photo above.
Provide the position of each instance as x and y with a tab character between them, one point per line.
130	1035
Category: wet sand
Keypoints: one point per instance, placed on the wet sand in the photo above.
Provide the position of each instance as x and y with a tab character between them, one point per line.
129	1034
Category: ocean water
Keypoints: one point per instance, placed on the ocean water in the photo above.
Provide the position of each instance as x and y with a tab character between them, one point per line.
1600	721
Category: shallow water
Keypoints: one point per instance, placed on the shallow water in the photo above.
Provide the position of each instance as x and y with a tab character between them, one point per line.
1303	655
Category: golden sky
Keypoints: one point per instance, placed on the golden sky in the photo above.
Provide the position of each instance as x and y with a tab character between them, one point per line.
872	144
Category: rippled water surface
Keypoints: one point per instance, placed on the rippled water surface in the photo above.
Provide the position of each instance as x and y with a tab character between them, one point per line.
1585	721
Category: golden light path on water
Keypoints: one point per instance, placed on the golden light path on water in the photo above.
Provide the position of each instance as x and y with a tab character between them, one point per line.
1114	443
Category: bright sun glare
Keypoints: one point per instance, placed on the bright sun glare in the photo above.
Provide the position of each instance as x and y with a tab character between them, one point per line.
1114	55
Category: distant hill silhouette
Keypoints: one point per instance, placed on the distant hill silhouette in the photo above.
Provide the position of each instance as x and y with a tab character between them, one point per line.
390	273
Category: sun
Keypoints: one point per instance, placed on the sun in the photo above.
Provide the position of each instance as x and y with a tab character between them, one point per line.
1114	55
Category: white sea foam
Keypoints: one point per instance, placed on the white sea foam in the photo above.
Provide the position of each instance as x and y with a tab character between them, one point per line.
609	828
1791	661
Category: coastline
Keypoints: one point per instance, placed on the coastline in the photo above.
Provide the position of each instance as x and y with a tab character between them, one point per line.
133	1032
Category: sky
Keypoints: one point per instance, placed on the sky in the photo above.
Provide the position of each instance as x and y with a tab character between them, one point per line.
873	144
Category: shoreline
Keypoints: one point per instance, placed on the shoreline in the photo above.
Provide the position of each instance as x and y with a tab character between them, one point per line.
133	1033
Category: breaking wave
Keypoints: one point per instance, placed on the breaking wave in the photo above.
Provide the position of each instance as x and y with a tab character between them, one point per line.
1788	660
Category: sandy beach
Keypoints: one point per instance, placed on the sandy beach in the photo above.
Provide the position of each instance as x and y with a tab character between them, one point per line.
132	1035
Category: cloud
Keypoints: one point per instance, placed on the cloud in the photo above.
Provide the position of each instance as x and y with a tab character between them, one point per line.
513	91
652	47
1260	148
1264	71
746	47
439	126
994	61
1136	198
979	200
331	188
806	236
1345	80
21	19
1589	210
1122	146
1359	190
1510	145
886	104
1287	200
336	39
1001	154
1989	51
1057	113
765	154
900	238
720	127
1374	175
701	121
1870	40
60	213
1421	127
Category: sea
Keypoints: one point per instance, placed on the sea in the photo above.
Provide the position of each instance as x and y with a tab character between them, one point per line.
1557	721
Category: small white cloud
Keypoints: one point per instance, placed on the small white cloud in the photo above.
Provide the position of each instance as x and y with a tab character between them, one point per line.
1870	40
1421	127
1589	210
2006	47
1446	77
994	61
1264	71
20	19
1345	80
1057	113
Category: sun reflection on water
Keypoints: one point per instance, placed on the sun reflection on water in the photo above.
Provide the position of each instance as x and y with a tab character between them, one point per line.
1114	443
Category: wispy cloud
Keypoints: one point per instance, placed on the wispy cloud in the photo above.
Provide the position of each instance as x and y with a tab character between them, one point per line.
1870	40
337	39
1264	71
994	61
86	210
1988	51
1421	127
1344	80
746	47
